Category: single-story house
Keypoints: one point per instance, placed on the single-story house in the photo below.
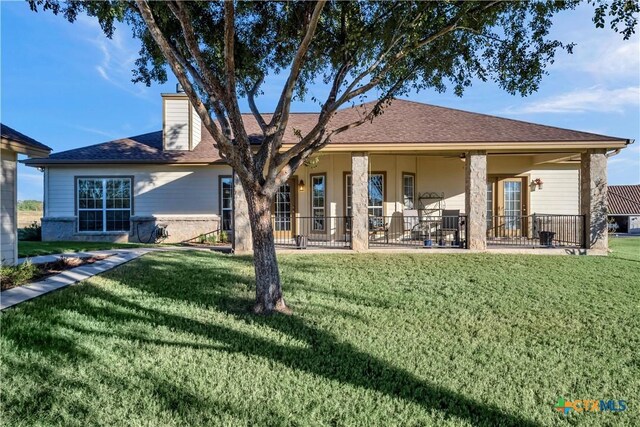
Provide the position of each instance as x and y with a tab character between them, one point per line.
624	208
418	175
12	143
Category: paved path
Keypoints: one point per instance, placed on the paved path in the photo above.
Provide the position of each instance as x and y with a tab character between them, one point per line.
117	257
43	259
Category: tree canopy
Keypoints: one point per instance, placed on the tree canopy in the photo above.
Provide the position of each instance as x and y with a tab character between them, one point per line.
355	47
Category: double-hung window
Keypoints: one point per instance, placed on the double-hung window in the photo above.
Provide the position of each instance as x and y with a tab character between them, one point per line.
226	202
104	204
376	196
408	190
318	200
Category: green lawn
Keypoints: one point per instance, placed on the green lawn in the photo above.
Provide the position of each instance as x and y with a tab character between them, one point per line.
31	249
625	248
375	339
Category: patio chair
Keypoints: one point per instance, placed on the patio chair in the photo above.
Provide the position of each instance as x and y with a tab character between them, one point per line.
378	225
411	224
450	224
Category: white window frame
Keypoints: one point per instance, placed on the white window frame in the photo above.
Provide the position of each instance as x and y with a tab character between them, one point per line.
371	207
348	189
104	208
318	211
411	196
222	208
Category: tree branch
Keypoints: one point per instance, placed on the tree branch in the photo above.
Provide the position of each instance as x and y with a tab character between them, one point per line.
281	113
177	63
251	97
452	25
231	99
213	84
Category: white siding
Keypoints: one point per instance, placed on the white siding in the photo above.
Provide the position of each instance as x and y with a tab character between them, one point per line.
559	195
442	175
8	234
176	124
157	189
196	128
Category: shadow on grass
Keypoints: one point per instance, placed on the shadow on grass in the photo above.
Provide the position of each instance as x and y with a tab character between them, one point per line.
323	354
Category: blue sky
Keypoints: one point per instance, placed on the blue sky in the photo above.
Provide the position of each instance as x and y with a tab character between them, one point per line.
67	86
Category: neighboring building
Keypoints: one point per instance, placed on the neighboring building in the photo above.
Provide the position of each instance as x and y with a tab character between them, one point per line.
12	143
417	175
624	208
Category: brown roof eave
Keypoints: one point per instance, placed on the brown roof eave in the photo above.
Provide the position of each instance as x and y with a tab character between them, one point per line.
36	162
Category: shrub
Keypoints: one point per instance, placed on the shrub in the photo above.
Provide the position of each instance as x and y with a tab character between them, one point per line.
31	233
29	205
224	237
17	275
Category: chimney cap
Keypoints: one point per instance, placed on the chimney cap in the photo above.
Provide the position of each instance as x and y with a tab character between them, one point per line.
179	88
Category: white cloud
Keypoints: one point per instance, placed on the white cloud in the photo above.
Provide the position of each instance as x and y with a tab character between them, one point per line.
118	55
592	99
95	131
604	58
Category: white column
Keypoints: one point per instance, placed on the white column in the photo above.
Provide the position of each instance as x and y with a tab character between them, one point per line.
593	201
360	201
476	199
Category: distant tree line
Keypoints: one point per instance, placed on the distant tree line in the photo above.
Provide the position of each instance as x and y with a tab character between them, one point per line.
29	205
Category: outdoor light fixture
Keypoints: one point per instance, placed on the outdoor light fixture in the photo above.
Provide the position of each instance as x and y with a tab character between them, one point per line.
301	185
538	183
463	157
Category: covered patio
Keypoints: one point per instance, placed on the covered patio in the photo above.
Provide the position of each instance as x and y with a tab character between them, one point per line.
475	200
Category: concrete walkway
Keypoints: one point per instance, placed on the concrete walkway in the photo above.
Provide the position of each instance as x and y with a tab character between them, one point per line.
19	294
43	259
117	257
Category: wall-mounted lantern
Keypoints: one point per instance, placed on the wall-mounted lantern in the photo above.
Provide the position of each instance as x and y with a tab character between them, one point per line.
301	186
537	183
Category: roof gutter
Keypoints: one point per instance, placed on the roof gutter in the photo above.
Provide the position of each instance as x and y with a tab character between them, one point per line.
617	150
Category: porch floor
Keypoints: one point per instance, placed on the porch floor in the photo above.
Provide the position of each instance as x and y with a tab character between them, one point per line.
521	250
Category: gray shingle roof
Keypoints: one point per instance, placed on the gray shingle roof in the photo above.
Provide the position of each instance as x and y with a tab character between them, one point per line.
15	136
146	148
402	122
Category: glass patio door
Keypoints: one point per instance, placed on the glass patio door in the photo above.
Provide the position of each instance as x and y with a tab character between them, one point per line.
284	210
512	210
507	206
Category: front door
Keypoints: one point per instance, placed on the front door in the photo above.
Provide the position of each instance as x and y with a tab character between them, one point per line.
507	206
284	206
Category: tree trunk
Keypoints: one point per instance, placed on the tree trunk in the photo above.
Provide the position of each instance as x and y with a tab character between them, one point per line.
268	288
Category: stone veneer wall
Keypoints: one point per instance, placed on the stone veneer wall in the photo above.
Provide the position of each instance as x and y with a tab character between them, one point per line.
180	229
593	187
476	199
360	201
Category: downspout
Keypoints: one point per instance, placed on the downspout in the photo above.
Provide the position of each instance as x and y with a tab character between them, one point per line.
45	196
614	153
617	150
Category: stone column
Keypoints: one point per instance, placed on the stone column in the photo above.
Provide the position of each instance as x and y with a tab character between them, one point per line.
242	242
593	200
476	199
360	201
